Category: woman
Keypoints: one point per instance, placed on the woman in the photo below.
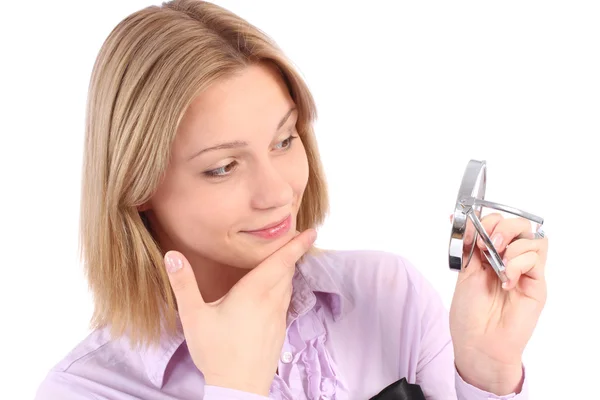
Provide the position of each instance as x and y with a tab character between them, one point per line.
201	194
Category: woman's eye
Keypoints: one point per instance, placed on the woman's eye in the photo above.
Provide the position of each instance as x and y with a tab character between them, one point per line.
286	143
221	171
227	169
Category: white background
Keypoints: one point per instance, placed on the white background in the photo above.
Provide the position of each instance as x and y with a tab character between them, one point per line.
407	94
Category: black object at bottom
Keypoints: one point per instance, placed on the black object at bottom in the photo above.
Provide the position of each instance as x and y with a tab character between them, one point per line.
400	390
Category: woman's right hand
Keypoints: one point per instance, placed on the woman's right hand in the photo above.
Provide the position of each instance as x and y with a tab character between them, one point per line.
236	341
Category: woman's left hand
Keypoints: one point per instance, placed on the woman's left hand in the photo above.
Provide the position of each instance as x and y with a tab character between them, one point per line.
491	325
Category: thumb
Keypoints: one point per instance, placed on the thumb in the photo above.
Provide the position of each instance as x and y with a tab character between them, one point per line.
183	282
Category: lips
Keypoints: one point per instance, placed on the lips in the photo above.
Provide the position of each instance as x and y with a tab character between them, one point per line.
273	231
266	227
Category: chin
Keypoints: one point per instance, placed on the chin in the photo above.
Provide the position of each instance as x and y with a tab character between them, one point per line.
255	250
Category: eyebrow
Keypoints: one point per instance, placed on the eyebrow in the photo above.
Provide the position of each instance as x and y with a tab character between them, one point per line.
238	143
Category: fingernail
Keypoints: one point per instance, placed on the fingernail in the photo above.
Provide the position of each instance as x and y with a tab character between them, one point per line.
173	263
505	285
497	240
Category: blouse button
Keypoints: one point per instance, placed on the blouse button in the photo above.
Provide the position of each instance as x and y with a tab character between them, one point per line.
286	357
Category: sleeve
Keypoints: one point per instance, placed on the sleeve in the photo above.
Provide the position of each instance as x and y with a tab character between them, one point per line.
221	393
436	371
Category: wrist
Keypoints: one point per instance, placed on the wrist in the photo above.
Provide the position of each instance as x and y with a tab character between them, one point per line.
499	379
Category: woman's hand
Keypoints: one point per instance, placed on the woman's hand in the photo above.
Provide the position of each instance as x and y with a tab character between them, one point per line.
235	342
491	325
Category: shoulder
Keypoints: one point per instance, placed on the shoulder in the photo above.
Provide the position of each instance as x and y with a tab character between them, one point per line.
386	303
367	278
86	369
62	385
93	345
363	271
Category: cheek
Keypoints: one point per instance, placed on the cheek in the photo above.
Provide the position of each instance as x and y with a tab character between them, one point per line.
192	212
213	209
296	169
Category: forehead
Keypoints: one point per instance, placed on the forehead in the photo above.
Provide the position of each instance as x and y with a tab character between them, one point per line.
247	103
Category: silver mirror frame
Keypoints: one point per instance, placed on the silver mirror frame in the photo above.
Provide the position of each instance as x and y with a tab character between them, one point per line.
469	204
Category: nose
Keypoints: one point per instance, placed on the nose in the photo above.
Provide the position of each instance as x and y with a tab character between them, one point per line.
270	188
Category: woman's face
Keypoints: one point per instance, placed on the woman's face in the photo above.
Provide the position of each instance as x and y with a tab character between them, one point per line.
237	166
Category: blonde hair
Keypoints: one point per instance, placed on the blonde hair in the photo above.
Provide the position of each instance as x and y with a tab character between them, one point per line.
148	71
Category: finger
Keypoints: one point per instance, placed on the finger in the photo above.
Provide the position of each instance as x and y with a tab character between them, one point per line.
290	253
489	223
521	246
524	264
279	267
507	230
184	285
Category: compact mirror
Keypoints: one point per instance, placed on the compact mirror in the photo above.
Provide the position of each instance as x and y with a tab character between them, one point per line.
467	221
